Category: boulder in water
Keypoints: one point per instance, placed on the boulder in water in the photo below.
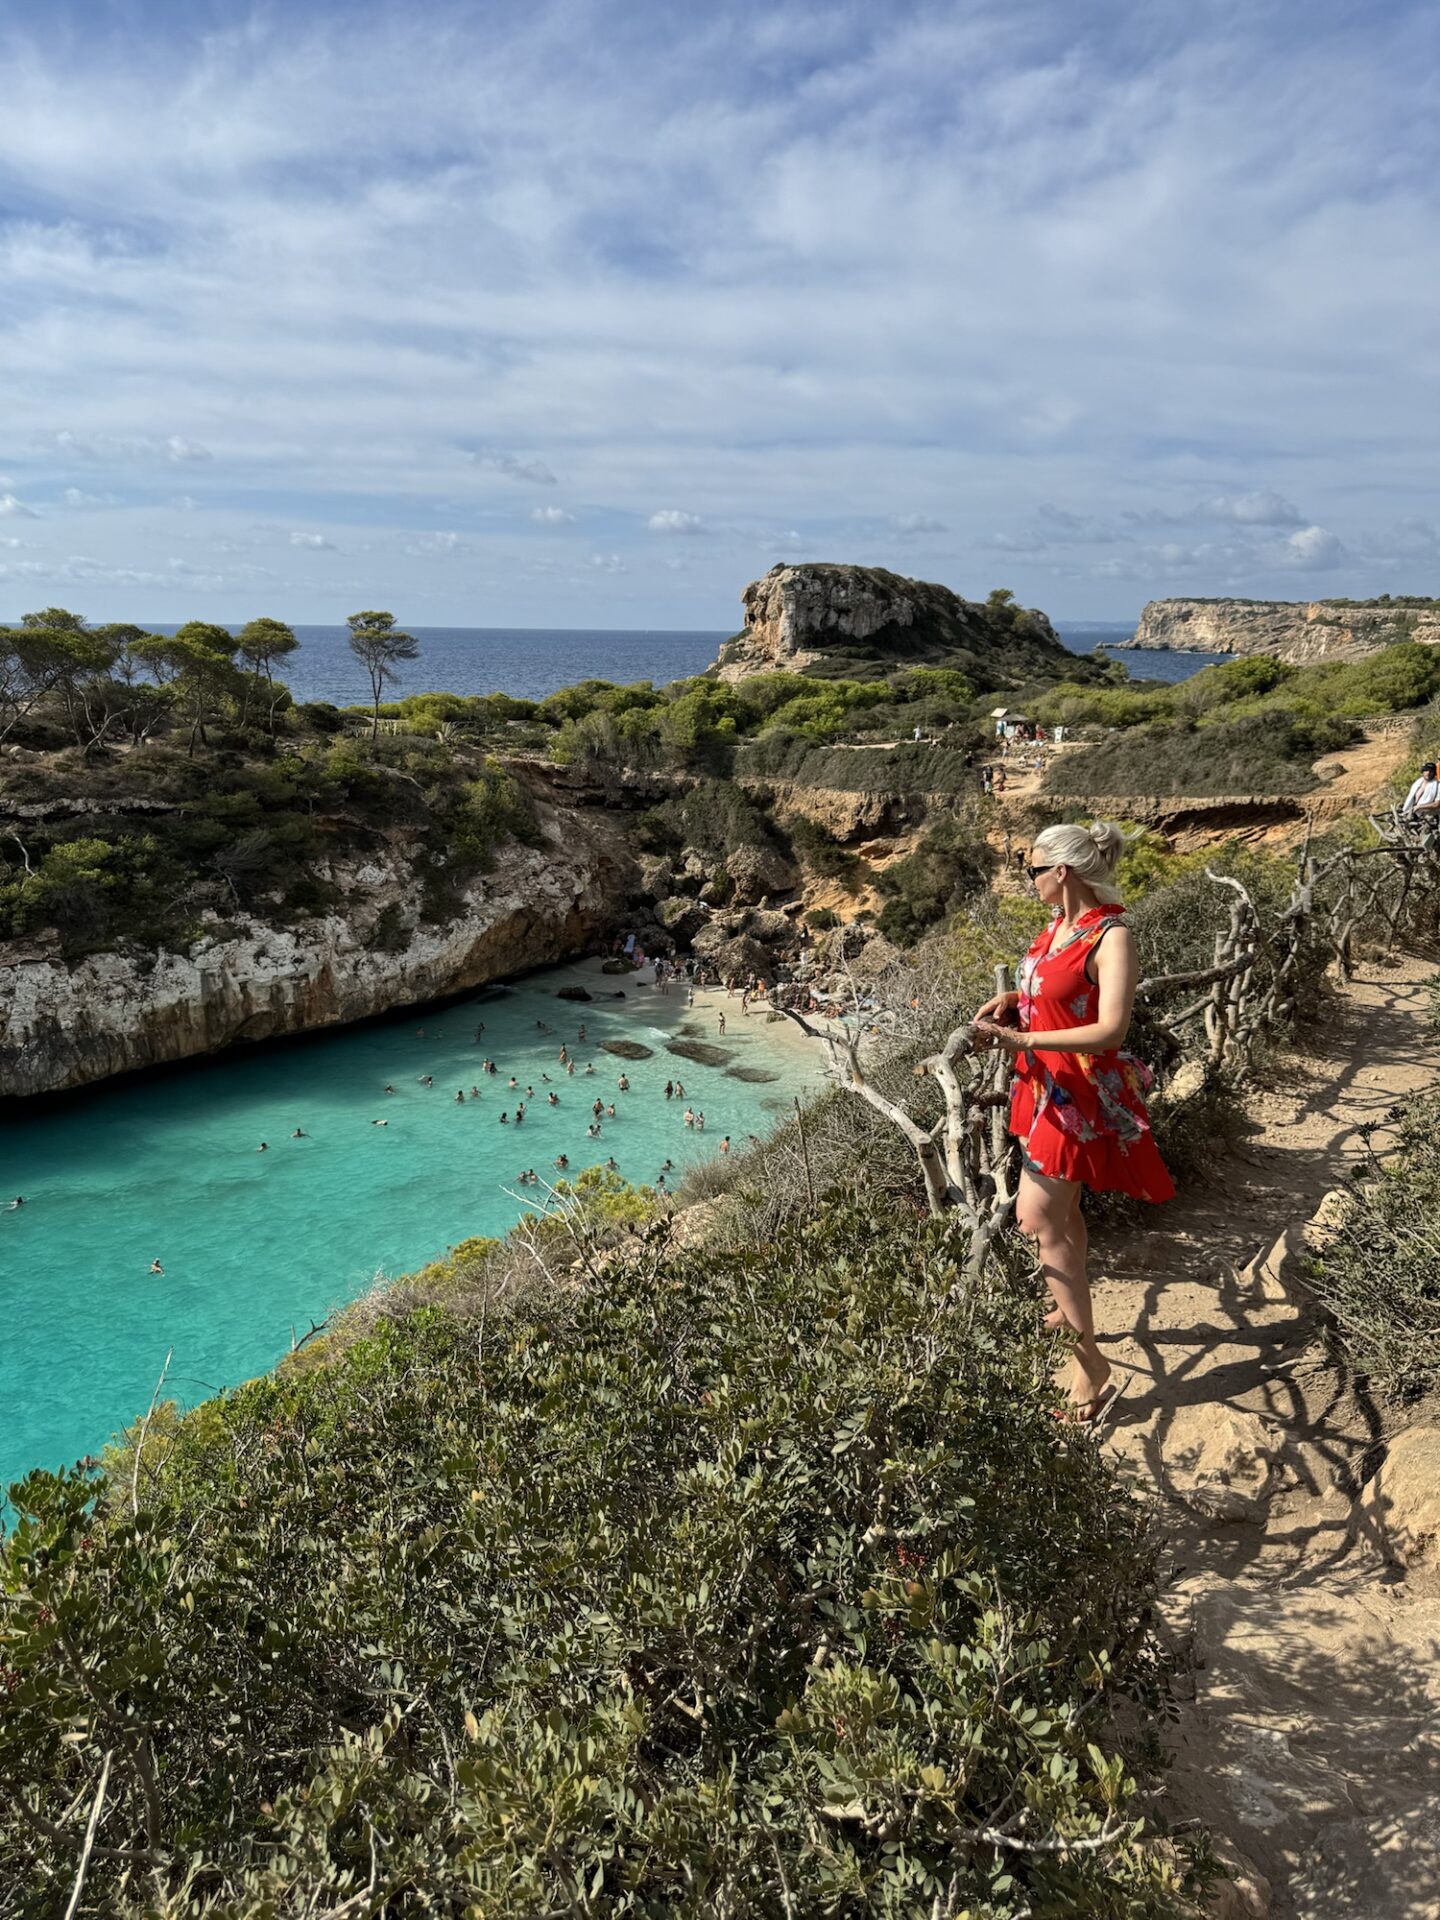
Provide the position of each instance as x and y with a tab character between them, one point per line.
753	1076
627	1049
701	1052
573	993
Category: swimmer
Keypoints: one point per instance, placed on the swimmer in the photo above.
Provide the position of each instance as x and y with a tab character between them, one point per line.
700	1123
725	1144
598	1108
689	1117
610	1109
679	1090
379	1123
425	1079
592	1132
155	1267
264	1147
542	1026
474	1093
16	1203
613	1164
529	1093
534	1178
546	1078
520	1114
388	1087
480	1029
460	1095
623	1083
299	1134
490	1067
512	1081
569	1066
660	1183
564	1054
722	1025
590	1066
562	1160
669	1089
553	1098
504	1119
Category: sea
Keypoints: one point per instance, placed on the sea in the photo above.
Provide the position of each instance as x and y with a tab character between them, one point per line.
255	1246
530	662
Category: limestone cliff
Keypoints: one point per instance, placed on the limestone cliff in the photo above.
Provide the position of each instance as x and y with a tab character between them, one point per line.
1297	631
859	622
117	1011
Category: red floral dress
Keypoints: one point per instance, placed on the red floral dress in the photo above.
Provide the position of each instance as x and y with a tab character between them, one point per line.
1081	1116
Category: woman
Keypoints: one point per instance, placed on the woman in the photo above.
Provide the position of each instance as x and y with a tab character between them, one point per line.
1078	1102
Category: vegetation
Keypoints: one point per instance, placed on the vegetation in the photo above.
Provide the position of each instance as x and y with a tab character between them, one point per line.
952	863
756	1585
1379	1274
1269	753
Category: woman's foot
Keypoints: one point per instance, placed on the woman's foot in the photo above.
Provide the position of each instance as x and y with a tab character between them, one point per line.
1091	1394
1055	1320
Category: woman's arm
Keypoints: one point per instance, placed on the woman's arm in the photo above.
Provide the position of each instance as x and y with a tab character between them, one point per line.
1116	975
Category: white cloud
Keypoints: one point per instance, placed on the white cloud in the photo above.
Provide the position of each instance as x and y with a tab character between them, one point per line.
673	520
916	523
606	563
1263	509
316	542
77	497
13	543
14	508
551	517
108	449
532	472
1312	547
432	543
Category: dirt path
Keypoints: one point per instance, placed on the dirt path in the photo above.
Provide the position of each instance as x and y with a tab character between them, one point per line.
1312	1740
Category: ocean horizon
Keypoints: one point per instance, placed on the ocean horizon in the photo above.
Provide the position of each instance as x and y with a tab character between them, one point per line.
531	662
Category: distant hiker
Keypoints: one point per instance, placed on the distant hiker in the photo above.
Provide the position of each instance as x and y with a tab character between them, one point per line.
1422	802
1077	1104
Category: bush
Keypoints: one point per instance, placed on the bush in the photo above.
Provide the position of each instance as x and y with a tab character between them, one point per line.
1379	1275
756	1586
952	863
1265	753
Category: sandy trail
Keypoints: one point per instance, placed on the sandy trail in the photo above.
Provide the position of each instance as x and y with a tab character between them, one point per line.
1312	1735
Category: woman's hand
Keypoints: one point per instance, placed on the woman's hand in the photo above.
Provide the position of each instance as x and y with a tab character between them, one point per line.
992	1037
1002	1003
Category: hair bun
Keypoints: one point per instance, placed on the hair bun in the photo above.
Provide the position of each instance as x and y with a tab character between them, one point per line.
1109	841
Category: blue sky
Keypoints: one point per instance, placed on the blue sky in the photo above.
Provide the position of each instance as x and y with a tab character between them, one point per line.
584	315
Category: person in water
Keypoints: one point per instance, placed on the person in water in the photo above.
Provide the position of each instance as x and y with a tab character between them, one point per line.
379	1123
562	1160
155	1267
17	1203
1077	1104
264	1147
553	1098
623	1083
299	1134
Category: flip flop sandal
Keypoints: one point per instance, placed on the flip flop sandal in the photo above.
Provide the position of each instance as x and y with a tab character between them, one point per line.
1093	1412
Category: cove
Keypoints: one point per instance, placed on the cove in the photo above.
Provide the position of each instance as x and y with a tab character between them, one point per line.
256	1245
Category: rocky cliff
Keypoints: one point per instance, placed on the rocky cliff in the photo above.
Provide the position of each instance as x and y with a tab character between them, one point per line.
1297	631
859	622
117	1011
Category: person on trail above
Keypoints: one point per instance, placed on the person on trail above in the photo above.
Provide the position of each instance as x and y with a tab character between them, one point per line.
1077	1104
1423	800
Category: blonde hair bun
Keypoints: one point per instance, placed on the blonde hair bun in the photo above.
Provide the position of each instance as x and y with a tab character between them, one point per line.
1110	842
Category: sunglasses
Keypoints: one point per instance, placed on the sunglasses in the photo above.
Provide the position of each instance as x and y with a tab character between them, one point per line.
1035	872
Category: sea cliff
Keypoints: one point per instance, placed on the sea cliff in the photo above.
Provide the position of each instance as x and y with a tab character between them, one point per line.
1297	631
117	1011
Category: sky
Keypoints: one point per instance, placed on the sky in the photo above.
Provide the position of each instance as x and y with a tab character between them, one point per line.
558	314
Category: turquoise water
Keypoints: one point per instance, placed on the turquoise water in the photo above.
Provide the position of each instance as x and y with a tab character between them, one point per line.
255	1245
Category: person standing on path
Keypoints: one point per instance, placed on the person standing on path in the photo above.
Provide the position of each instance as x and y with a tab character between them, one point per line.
1077	1104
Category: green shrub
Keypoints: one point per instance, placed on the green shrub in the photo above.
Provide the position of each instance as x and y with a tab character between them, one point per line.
1264	753
761	1586
1379	1275
952	863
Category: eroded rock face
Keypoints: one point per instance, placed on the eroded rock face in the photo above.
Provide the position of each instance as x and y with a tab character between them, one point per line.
1402	1502
863	620
114	1012
1297	631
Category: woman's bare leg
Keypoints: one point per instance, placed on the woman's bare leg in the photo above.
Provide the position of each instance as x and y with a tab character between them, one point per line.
1049	1212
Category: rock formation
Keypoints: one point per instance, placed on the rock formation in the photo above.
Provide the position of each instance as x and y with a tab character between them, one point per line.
114	1012
1297	631
860	622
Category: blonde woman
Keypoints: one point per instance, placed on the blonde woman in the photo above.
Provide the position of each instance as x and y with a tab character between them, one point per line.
1077	1104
